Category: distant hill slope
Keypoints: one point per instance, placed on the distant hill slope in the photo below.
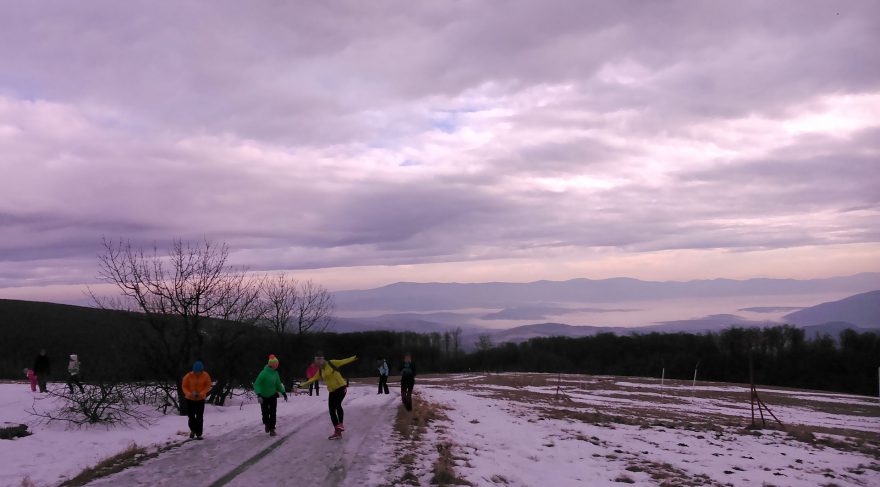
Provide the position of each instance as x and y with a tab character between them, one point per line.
28	326
409	296
402	322
833	329
526	332
699	325
862	310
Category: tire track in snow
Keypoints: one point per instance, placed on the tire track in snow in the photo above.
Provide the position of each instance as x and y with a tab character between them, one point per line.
301	456
235	472
322	463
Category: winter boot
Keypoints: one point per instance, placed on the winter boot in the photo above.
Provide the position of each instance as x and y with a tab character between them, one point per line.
340	427
192	435
272	433
337	434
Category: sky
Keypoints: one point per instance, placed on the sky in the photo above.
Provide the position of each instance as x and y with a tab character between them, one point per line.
363	143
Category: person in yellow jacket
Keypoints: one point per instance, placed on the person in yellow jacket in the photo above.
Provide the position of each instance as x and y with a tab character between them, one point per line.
328	372
196	386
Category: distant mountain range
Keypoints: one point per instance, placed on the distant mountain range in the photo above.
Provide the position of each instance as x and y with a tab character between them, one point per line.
861	309
860	312
414	297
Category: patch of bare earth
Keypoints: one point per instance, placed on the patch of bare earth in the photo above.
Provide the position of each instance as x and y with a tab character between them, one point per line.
133	455
413	443
606	402
130	457
566	386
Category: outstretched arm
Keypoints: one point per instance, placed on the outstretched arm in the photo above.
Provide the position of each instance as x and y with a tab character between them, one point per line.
304	385
344	361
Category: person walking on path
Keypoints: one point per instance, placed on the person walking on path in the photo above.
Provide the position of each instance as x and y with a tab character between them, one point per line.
42	367
32	378
383	376
196	386
267	388
73	367
328	371
310	372
407	381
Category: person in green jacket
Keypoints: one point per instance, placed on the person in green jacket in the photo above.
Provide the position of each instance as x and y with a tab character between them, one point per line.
267	388
328	372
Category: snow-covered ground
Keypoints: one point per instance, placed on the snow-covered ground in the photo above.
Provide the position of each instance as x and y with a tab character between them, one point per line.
513	429
233	433
495	429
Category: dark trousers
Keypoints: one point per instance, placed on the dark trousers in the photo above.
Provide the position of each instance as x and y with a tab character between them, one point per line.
406	389
74	380
383	384
195	411
337	415
316	387
268	407
41	380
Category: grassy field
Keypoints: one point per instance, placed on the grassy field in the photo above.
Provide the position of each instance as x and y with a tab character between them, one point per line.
532	429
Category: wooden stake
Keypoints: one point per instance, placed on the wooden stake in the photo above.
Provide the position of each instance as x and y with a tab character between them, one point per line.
754	399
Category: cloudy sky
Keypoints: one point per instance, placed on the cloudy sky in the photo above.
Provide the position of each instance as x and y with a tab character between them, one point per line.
363	143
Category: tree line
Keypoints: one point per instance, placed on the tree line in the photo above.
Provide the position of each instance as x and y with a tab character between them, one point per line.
189	304
781	356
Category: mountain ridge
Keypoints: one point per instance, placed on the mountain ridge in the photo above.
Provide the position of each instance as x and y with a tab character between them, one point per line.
436	296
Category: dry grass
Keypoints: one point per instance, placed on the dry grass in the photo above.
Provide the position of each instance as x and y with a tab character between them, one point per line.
667	475
412	424
444	467
131	456
410	427
677	393
864	443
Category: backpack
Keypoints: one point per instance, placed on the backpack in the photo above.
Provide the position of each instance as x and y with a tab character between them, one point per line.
338	372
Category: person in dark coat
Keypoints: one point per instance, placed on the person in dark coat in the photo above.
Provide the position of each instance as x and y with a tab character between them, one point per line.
42	367
407	381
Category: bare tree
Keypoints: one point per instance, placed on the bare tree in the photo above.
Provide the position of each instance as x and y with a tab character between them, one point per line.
240	304
281	300
456	340
177	292
239	297
484	342
100	403
191	285
314	307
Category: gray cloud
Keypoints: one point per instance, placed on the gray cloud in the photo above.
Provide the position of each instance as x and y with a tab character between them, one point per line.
317	135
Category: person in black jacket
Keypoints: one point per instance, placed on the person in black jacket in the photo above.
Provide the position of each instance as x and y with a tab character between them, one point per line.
407	381
42	368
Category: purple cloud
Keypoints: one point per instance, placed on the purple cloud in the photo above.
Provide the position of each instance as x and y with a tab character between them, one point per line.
387	133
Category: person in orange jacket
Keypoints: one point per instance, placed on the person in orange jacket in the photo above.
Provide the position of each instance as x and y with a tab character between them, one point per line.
196	386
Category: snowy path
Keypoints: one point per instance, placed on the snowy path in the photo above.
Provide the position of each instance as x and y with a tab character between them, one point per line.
300	454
